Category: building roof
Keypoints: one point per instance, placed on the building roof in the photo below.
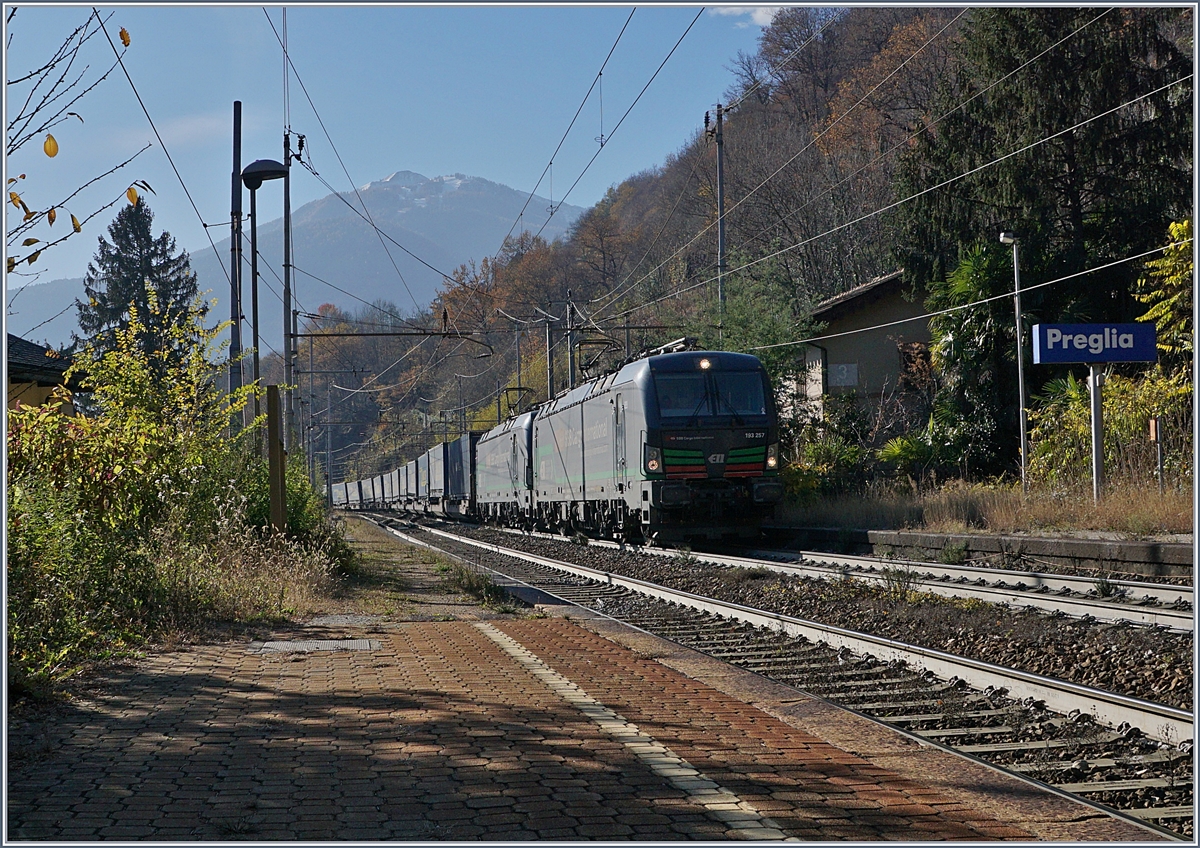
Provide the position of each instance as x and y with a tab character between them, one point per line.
34	363
858	297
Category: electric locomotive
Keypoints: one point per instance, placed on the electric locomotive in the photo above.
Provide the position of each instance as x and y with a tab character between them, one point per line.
674	446
677	445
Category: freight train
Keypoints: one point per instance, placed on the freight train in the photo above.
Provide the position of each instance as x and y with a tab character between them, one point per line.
669	447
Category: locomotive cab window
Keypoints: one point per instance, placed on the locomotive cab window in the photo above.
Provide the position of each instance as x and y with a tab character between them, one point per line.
713	394
682	395
740	393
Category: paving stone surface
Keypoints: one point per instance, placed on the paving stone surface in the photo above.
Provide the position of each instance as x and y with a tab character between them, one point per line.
490	728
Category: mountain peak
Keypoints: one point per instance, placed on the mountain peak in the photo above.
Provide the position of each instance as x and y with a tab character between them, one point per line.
398	178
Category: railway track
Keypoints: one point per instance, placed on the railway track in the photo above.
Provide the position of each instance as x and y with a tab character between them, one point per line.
1137	602
1110	750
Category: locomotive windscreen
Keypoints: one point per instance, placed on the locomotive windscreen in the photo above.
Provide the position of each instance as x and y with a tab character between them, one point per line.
684	395
740	393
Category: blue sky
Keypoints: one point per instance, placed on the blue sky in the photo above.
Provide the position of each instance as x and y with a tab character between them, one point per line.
480	90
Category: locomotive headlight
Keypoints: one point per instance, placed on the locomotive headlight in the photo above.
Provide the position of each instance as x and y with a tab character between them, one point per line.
653	459
773	456
705	364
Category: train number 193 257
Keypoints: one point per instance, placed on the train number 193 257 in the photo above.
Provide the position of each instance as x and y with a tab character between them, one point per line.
755	434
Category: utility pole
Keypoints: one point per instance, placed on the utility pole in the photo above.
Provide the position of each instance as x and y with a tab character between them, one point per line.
1011	238
235	263
277	461
720	222
328	446
311	453
287	282
462	412
549	350
571	338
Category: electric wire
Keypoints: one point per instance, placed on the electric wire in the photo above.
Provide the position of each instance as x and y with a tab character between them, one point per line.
776	68
918	194
333	146
569	126
966	174
146	111
815	138
974	303
928	126
653	77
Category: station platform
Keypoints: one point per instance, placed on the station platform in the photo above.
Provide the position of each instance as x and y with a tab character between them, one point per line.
563	728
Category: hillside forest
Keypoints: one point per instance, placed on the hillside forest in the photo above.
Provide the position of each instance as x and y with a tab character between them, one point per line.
856	143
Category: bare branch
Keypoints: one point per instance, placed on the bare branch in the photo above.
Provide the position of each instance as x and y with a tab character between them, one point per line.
26	226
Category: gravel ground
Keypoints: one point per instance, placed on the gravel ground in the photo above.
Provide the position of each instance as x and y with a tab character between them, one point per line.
1149	663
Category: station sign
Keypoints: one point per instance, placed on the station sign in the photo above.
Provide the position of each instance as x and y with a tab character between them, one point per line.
1053	343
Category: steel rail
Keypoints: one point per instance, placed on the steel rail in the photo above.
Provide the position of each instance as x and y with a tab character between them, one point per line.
1029	589
1157	721
1134	590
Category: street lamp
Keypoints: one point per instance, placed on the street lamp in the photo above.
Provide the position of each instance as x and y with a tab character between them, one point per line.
254	175
1007	237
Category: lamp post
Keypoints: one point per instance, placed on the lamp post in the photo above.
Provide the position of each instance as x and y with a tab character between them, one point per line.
254	175
1011	238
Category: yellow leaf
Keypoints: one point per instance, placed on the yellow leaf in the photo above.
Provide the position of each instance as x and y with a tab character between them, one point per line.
125	36
75	224
33	256
12	262
51	215
132	194
27	216
51	146
28	242
15	198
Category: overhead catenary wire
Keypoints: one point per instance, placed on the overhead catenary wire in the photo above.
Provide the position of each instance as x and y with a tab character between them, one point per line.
974	303
627	112
582	103
317	114
161	144
649	82
921	193
807	146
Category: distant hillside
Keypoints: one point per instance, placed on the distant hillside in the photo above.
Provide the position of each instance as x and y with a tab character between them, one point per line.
36	312
446	221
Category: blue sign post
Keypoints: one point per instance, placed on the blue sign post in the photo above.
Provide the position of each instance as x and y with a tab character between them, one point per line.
1095	344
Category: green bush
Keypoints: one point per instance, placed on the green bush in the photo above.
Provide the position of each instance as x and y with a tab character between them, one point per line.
1060	437
139	518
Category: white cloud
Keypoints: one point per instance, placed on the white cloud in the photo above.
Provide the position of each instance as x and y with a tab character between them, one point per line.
759	15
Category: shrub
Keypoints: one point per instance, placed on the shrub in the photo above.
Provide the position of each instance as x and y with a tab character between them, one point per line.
138	520
1060	430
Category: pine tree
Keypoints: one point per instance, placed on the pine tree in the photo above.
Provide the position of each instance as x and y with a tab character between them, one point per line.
143	271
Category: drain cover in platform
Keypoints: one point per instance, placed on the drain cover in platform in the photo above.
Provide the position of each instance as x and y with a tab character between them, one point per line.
309	645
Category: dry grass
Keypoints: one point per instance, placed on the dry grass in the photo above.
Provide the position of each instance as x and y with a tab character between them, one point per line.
242	577
956	508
